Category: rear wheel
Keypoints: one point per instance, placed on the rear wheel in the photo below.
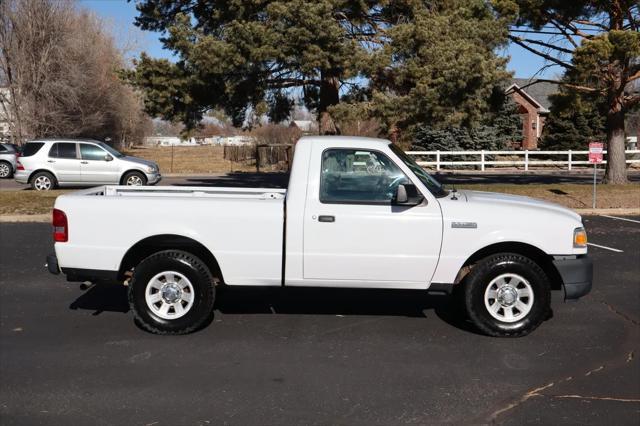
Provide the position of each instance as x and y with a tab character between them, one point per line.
134	179
43	181
5	170
507	295
172	292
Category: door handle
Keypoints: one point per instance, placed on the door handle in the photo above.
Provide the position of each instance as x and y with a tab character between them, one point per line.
51	161
84	162
328	219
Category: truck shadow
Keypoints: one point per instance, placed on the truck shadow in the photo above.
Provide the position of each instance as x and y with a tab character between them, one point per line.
240	180
107	297
102	297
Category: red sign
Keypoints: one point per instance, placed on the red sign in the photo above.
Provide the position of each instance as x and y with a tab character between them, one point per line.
596	150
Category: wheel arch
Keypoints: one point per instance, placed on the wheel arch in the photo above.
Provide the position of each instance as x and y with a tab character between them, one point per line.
544	260
156	243
51	172
122	176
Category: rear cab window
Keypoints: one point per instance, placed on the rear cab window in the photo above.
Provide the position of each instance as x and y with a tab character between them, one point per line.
31	148
63	150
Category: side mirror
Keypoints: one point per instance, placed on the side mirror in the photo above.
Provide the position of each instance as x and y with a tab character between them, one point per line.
108	158
407	195
401	195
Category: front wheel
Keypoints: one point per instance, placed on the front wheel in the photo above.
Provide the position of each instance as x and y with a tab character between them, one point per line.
135	179
172	292
507	295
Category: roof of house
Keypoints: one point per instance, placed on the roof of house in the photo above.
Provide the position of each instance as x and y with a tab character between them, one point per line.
539	92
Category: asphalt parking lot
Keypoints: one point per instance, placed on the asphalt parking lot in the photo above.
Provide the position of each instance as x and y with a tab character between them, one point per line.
273	357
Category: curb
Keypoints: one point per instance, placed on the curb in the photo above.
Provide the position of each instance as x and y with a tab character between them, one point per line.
599	212
24	218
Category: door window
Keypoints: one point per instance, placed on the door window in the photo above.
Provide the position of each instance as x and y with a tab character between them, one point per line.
358	176
63	150
92	152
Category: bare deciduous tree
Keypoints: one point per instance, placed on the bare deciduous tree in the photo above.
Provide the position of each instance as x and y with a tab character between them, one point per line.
61	69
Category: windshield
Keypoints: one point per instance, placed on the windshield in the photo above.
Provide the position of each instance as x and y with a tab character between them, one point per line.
432	185
110	150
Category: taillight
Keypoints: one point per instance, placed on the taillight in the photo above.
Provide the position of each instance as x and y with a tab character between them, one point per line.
19	166
60	226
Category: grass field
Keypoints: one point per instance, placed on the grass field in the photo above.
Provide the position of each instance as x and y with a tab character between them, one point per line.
27	202
575	196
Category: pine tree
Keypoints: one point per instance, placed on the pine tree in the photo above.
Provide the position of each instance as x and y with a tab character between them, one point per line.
417	61
572	123
497	131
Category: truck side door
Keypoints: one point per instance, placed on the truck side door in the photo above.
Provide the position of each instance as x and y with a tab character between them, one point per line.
352	232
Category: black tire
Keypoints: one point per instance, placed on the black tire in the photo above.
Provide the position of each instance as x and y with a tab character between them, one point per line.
492	267
133	175
37	178
6	170
194	270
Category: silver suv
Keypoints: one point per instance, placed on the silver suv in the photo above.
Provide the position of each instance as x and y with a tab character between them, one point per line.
8	160
46	164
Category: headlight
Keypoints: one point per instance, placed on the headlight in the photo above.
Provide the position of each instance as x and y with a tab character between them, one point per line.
579	238
150	169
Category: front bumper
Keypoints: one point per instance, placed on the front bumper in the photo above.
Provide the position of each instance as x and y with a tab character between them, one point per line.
576	274
153	178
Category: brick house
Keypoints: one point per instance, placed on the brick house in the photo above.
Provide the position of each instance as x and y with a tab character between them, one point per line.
533	104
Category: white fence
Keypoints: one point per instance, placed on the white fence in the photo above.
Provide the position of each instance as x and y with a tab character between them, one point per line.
566	158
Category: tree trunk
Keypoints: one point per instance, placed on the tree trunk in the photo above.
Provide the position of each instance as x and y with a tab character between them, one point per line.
616	171
329	95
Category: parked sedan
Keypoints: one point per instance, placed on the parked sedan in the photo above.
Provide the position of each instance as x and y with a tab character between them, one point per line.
8	160
47	164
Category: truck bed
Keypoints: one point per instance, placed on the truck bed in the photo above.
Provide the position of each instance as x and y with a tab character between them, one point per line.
234	223
183	191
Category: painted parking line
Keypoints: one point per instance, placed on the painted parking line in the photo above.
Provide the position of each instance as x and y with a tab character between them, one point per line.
621	218
605	247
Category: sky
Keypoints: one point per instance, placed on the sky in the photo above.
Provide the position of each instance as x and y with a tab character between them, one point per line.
120	14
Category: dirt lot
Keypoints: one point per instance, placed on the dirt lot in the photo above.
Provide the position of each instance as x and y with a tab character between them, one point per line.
210	159
196	159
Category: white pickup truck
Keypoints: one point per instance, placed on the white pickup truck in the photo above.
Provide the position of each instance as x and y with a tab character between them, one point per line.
358	213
